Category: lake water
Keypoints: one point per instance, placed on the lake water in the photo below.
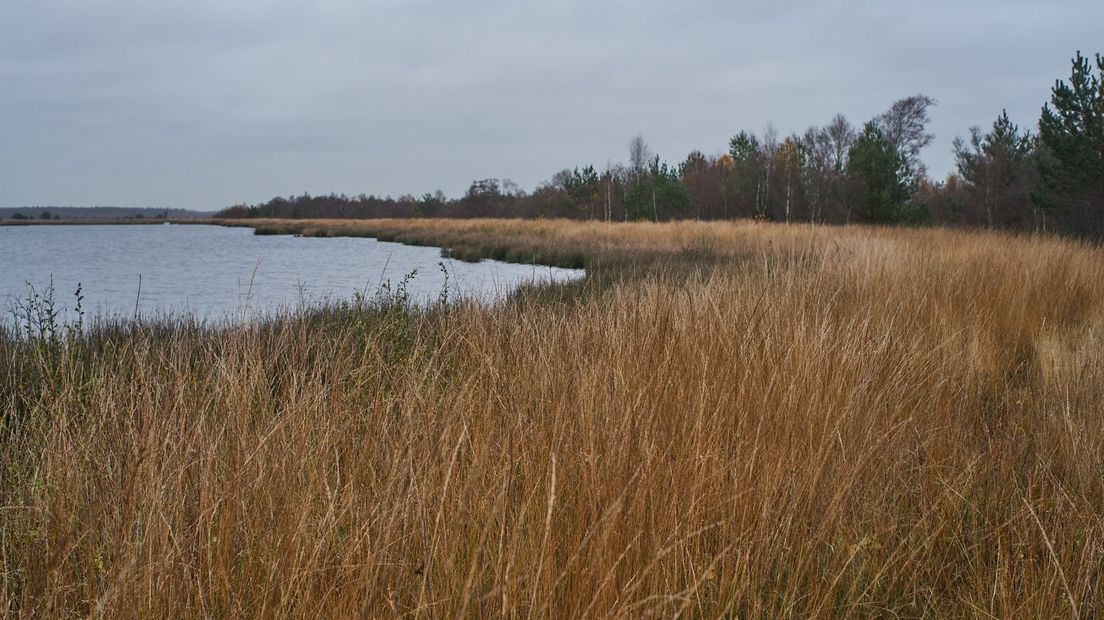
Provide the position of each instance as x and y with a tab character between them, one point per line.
215	273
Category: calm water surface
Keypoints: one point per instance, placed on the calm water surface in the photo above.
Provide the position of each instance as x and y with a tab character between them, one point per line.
218	273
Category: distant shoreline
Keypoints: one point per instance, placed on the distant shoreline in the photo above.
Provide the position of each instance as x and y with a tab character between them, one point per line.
128	221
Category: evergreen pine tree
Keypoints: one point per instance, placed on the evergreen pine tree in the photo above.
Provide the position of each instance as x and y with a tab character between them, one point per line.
880	175
1071	134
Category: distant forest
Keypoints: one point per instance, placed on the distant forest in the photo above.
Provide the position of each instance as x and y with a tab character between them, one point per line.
1049	179
94	213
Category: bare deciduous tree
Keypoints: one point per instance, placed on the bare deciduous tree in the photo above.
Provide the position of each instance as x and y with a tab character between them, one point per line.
904	124
819	170
561	179
841	136
639	154
770	150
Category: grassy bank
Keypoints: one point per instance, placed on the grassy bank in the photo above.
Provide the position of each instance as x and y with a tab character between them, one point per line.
560	243
758	421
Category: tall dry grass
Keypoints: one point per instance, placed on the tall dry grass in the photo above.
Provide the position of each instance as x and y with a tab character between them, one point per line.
766	421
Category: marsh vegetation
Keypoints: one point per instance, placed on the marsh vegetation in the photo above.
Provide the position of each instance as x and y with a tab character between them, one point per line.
752	420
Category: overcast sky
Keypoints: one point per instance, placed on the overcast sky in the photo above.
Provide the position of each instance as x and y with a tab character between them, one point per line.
206	103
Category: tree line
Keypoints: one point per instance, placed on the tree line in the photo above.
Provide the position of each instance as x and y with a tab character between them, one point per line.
1005	177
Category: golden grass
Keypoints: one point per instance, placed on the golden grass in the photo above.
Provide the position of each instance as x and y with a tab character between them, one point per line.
765	421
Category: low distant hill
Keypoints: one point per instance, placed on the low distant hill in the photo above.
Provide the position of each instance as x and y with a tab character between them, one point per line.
96	213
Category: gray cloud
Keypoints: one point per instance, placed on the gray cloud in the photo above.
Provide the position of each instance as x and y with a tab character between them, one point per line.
203	104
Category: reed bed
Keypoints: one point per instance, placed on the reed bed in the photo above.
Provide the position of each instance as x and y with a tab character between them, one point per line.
757	421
